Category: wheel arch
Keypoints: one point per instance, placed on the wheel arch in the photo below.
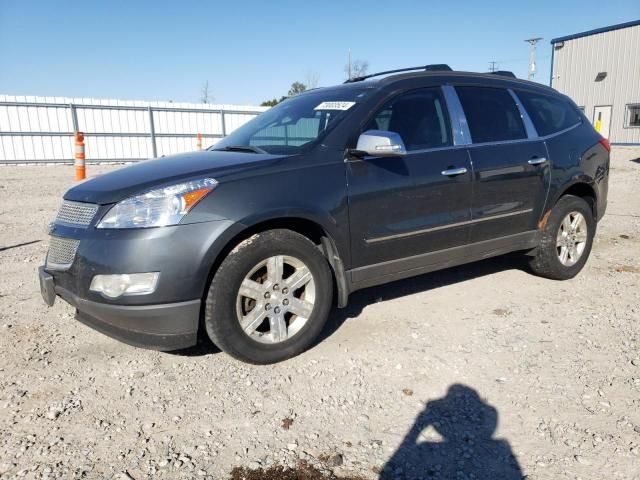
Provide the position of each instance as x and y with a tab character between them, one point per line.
306	227
584	189
580	187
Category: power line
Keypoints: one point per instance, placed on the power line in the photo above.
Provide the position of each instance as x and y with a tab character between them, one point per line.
493	66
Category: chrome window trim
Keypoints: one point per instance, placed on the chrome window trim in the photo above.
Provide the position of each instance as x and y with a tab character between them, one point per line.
448	225
560	132
524	115
459	127
520	140
485	144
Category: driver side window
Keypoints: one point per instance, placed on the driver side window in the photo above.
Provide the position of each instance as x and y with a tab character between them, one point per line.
419	117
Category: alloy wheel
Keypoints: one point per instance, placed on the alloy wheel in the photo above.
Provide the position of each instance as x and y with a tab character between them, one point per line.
276	299
572	238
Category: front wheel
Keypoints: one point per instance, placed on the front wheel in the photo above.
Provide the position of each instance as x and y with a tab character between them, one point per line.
270	298
566	240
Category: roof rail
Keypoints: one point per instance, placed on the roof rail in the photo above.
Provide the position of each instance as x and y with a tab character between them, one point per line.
429	68
504	73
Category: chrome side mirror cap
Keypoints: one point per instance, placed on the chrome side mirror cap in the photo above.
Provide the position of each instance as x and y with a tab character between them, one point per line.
381	143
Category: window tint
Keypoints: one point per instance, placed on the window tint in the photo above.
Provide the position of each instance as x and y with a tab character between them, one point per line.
299	122
491	113
549	114
419	117
298	133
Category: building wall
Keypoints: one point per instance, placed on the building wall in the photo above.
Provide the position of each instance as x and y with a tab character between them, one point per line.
616	52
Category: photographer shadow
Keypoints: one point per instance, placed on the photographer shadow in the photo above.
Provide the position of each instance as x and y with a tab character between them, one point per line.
466	448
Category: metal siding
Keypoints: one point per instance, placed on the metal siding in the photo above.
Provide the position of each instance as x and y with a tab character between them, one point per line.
616	52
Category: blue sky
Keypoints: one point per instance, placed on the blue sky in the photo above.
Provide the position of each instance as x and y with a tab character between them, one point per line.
250	51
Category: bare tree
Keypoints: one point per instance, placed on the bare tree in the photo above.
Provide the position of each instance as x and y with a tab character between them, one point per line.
356	68
205	96
311	79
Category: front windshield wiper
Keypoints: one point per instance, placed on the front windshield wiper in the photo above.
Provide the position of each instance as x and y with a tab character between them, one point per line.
241	148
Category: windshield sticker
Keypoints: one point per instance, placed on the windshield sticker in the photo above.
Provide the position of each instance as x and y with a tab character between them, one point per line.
335	106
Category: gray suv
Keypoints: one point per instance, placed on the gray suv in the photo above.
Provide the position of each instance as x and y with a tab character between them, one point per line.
251	241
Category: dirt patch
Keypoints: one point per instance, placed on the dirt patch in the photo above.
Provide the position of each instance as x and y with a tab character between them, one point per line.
301	472
627	269
286	423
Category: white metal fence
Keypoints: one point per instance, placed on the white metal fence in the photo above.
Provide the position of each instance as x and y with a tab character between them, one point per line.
41	129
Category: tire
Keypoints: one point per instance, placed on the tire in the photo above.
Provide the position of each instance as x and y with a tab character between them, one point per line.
547	261
280	326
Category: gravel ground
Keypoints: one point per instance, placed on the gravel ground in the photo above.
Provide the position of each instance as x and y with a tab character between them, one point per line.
481	371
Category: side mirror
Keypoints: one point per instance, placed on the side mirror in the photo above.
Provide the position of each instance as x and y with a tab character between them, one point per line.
381	143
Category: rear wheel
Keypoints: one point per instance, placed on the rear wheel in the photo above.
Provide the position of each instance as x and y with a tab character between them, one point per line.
566	240
270	298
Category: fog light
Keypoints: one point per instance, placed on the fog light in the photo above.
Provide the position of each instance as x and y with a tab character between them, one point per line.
113	286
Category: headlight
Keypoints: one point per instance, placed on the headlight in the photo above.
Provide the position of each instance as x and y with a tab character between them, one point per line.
158	208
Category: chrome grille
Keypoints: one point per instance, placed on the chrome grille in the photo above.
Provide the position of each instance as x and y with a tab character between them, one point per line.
76	213
62	251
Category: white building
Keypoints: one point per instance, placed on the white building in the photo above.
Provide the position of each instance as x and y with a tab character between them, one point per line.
600	71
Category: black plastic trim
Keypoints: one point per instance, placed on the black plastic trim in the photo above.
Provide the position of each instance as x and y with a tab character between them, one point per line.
162	327
389	271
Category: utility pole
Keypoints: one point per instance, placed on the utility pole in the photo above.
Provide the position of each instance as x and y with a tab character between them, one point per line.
493	66
532	56
349	68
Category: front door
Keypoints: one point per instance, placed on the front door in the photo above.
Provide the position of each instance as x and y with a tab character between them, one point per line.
602	120
404	206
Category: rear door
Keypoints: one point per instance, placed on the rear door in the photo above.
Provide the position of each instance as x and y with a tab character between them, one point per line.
510	166
405	206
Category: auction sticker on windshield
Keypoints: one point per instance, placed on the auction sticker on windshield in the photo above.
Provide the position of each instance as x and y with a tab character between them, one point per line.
335	106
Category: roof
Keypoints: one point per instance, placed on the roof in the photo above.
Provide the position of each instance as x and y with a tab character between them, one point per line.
439	76
610	28
452	75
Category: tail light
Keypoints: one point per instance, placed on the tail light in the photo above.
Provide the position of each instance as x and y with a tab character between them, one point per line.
605	143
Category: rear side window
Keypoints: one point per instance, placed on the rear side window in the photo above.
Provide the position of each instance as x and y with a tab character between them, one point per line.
549	114
492	114
419	117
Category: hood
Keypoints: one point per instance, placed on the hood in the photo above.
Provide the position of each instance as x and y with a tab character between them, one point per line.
127	181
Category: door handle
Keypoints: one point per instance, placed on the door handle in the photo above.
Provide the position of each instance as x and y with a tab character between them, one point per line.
452	172
537	161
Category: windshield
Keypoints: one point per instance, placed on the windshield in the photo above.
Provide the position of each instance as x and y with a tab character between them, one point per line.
296	123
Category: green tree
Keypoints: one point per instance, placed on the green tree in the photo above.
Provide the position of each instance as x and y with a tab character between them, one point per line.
296	88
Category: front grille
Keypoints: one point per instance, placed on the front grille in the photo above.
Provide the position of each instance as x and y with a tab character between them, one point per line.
76	213
62	251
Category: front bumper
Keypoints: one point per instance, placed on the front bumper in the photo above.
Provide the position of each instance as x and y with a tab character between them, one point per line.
164	327
168	318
